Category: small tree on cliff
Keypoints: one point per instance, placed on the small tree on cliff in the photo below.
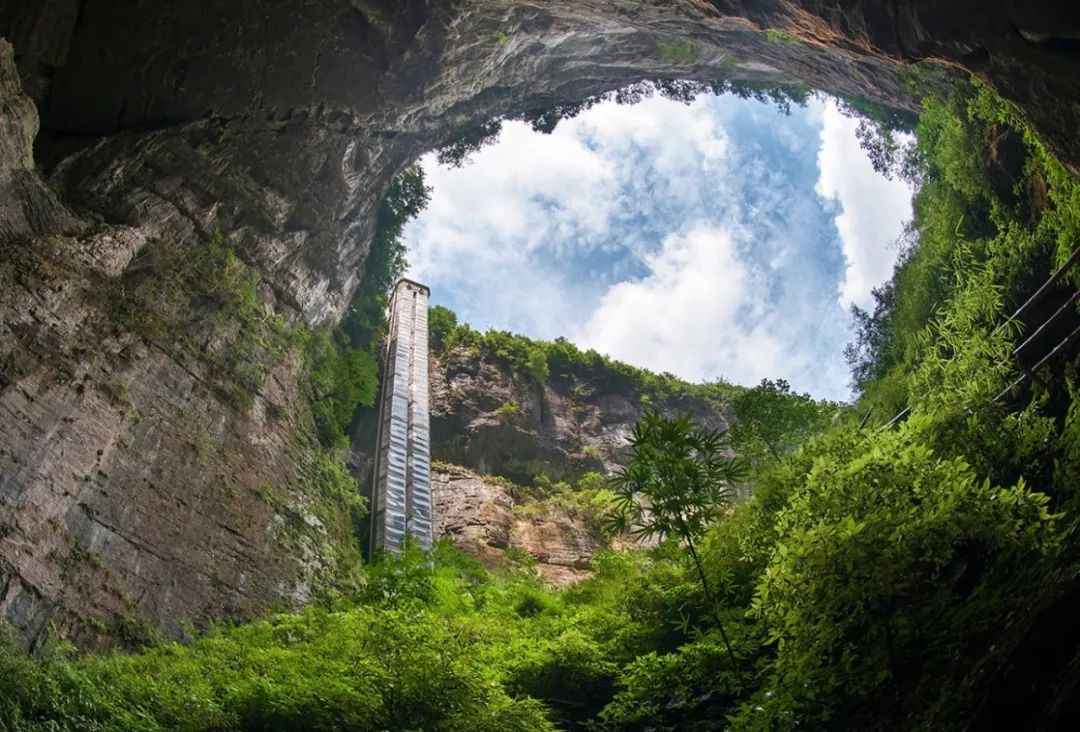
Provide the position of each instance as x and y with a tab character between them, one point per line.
678	481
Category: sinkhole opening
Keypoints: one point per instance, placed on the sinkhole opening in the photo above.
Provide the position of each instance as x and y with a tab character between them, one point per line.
712	233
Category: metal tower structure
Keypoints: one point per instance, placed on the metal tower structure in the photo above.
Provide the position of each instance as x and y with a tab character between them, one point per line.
401	499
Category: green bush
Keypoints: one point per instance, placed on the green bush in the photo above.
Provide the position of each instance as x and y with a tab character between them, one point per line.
885	559
875	579
342	379
342	363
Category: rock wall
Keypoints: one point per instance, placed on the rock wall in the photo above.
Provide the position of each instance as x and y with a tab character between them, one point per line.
478	514
485	458
151	451
283	124
488	419
141	484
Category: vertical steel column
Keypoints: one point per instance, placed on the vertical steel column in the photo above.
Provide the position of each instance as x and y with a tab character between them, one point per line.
401	500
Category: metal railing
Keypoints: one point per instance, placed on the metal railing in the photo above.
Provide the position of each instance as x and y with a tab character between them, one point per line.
1055	317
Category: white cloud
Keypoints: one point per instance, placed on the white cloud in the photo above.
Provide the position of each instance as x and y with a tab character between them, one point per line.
506	225
873	208
705	311
701	239
698	313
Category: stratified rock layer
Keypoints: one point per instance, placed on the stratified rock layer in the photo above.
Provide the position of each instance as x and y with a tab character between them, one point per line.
135	491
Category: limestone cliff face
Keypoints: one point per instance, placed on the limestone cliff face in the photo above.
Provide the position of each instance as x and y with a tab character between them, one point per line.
502	424
573	423
486	418
135	486
155	452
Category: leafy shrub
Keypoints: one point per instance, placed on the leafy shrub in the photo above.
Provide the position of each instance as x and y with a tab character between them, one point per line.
441	322
509	412
166	302
882	560
543	361
343	367
676	50
342	379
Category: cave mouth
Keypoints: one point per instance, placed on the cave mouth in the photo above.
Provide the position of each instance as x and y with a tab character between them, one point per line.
196	118
717	237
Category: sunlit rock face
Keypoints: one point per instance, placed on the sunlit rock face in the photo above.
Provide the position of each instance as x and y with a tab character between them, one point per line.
561	429
485	418
141	478
478	515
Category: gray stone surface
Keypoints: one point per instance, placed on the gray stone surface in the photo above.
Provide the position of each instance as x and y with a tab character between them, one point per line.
133	492
566	427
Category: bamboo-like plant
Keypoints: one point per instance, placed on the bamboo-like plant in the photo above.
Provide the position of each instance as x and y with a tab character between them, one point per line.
678	480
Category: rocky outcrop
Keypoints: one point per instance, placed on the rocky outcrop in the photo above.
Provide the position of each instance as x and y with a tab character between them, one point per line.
283	124
485	417
27	206
411	70
148	440
478	514
139	482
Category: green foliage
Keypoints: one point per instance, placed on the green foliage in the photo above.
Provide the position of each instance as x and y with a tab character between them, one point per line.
783	38
537	364
590	499
677	50
675	484
467	142
868	586
877	135
584	371
676	688
874	579
442	321
180	294
677	480
365	321
509	412
375	667
343	366
782	96
976	249
771	420
342	379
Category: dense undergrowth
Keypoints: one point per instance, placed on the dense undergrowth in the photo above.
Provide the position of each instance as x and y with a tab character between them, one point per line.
907	577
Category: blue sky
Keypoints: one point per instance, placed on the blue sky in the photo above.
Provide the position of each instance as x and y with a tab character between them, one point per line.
717	239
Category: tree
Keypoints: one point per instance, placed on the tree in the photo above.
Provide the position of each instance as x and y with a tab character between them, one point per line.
677	482
344	369
469	141
441	323
406	197
771	420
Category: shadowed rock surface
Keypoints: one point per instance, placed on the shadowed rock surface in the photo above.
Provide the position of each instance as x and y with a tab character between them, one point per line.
157	460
